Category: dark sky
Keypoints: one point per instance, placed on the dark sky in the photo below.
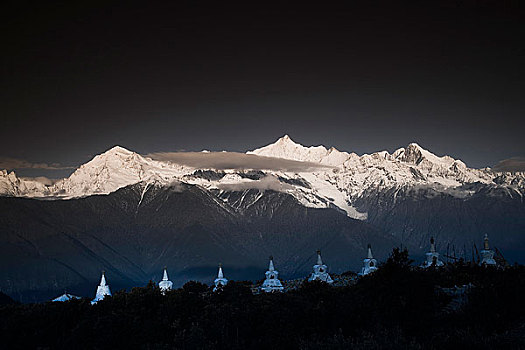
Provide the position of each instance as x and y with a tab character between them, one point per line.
77	80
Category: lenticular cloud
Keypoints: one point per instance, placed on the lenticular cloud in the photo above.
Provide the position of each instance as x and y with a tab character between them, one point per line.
234	160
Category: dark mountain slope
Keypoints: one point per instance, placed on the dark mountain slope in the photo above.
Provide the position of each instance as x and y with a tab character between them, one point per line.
414	214
47	246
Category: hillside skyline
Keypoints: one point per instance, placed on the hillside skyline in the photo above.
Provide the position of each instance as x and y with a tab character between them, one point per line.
39	170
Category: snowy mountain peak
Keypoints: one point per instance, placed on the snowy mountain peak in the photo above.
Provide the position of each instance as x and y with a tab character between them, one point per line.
286	148
415	154
414	145
285	138
285	142
113	169
118	150
412	153
113	158
415	149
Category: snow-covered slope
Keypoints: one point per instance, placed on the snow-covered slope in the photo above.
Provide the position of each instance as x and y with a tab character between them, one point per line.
408	165
352	177
115	168
343	179
11	185
105	173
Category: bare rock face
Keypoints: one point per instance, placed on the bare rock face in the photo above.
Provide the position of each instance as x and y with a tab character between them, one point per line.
412	154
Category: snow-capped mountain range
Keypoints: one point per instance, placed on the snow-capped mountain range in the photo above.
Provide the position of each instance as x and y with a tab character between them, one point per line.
131	214
339	180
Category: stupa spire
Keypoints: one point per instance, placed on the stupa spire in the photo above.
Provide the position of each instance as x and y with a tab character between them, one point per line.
165	285
432	256
320	271
270	266
487	255
220	274
220	281
369	256
103	279
102	290
369	264
272	283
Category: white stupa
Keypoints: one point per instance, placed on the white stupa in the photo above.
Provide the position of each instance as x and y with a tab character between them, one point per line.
320	271
432	256
165	285
370	264
272	283
66	297
102	290
487	255
220	281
